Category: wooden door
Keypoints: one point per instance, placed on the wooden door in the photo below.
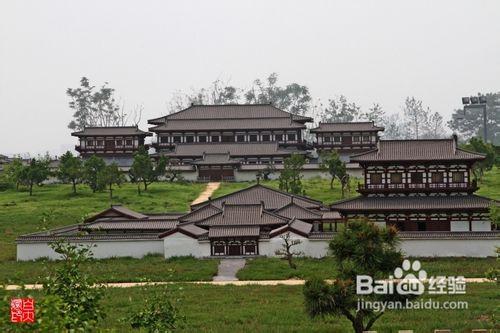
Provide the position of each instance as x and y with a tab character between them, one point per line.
234	249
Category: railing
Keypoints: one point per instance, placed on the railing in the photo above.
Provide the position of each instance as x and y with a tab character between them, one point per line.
416	186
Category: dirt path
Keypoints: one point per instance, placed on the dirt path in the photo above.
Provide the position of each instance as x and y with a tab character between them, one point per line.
207	193
216	283
228	268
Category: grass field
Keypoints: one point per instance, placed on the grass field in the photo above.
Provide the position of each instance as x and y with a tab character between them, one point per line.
278	269
21	214
280	309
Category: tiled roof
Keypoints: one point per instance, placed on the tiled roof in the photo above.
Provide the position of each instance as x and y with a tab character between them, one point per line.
244	231
297	226
201	213
242	214
295	211
413	203
449	235
331	215
212	159
103	131
228	124
229	111
347	127
234	149
117	211
131	225
273	199
193	229
416	150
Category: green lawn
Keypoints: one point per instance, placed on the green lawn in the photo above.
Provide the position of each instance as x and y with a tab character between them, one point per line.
278	269
281	309
152	267
21	214
490	186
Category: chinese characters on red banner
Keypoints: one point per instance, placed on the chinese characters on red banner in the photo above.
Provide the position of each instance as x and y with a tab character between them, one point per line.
22	310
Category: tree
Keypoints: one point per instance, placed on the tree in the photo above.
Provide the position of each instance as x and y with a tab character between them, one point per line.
158	314
470	123
266	173
416	117
479	146
35	173
13	171
294	98
70	169
111	175
331	163
143	170
393	127
76	294
290	176
375	113
360	249
172	172
92	168
340	110
286	249
94	107
435	129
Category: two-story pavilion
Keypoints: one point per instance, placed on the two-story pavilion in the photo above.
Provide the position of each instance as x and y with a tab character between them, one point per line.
346	138
113	144
419	185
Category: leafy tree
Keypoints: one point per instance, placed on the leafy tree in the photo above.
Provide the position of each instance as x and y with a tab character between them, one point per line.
267	172
73	292
294	98
70	169
290	176
416	117
13	171
93	107
375	113
360	249
479	146
435	129
35	173
340	110
92	168
158	314
286	250
111	175
470	123
393	127
172	173
331	163
144	171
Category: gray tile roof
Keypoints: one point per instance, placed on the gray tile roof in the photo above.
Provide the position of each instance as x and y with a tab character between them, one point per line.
214	159
117	211
118	131
242	214
201	213
273	199
416	150
234	149
367	126
228	124
240	231
413	203
131	225
294	225
193	229
229	111
293	210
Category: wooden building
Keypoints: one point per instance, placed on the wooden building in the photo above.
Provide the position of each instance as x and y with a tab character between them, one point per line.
419	185
346	138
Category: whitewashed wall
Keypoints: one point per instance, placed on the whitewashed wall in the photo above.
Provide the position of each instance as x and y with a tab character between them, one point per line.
310	248
103	249
449	247
476	226
179	244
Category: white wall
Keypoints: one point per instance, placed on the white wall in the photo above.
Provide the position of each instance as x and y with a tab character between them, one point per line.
449	247
103	249
476	226
179	244
310	248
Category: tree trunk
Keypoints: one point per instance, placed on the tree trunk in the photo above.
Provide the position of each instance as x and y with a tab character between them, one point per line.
139	188
74	186
331	183
110	191
145	185
31	188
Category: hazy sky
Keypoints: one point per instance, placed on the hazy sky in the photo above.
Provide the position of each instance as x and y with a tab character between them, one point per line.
371	51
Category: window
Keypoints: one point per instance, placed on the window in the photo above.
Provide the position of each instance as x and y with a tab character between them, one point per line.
128	142
163	139
266	137
228	138
356	138
421	226
279	137
215	138
240	138
100	142
458	177
326	139
90	142
202	138
119	142
375	178
264	161
177	138
291	137
253	137
278	162
336	139
190	138
396	178
437	177
366	138
416	178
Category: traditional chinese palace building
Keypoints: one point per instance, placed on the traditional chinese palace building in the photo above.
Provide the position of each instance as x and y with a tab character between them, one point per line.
113	144
346	138
419	185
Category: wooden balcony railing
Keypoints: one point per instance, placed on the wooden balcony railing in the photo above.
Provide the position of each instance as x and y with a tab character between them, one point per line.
417	187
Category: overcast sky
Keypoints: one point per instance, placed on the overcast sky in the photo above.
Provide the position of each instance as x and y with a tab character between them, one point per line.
370	51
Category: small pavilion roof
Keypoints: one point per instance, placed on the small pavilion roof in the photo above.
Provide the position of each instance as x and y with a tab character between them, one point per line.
367	126
242	214
233	231
112	130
